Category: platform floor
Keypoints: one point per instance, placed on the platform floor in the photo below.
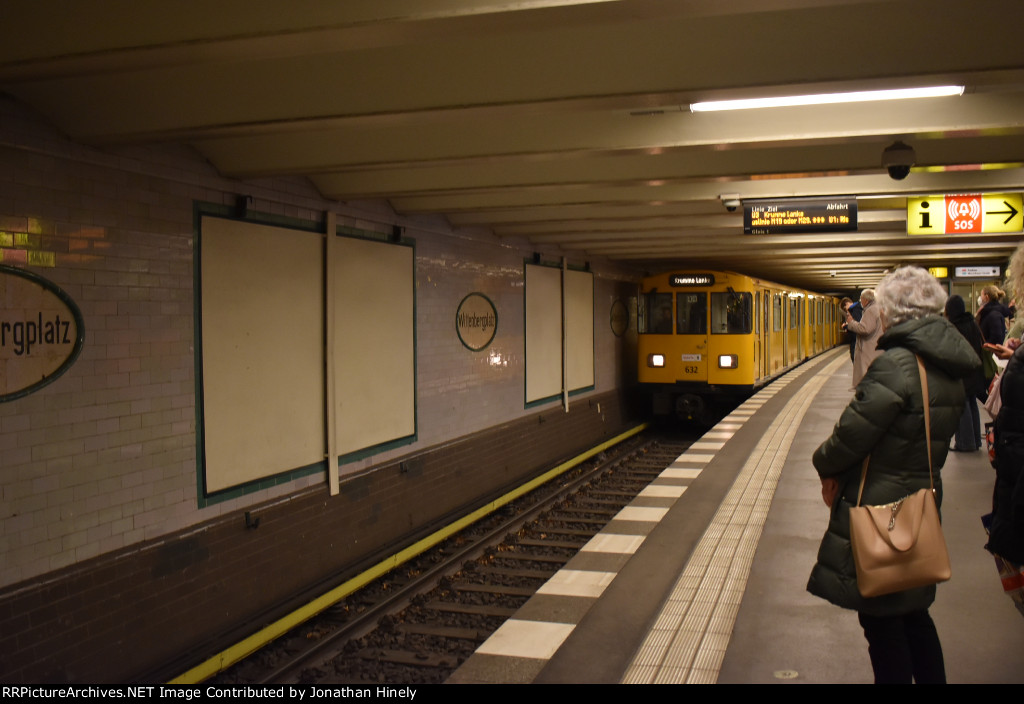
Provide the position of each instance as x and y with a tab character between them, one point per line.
702	578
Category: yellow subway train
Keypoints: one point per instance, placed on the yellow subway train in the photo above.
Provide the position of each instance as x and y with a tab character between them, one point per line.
710	338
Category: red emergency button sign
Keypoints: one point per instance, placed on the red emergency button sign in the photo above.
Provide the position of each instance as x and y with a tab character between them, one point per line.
964	213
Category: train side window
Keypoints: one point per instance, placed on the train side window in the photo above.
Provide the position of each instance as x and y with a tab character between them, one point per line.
776	312
730	313
657	314
794	313
691	313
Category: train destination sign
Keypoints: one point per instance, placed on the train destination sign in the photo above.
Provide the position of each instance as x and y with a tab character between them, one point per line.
794	215
965	213
684	280
41	332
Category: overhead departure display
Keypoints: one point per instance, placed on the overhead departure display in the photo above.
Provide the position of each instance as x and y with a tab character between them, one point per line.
791	215
969	213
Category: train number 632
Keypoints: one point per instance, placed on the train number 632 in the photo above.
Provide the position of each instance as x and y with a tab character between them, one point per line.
690	369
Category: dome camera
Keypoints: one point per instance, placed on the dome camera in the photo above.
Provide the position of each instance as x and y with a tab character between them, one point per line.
731	201
897	158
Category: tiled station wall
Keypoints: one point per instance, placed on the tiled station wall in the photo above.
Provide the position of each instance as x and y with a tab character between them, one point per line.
108	567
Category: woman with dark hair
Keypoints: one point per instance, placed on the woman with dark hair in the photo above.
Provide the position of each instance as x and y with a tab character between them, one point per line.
885	423
968	435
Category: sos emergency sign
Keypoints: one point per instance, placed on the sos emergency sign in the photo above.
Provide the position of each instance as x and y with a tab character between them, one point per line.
965	214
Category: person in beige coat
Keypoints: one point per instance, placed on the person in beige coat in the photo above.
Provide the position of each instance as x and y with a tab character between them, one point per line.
868	329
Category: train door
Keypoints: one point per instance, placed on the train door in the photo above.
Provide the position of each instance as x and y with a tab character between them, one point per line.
800	324
757	335
766	336
692	333
787	315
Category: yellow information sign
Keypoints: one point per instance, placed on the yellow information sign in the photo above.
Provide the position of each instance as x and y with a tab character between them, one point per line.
971	213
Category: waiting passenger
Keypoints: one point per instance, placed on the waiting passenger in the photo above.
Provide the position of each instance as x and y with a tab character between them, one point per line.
992	315
1006	535
885	421
991	318
868	329
968	435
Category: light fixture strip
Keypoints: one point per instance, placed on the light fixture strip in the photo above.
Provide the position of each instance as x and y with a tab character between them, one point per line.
828	98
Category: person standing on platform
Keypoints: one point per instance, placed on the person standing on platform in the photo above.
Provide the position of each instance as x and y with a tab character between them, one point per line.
1006	534
850	308
968	435
868	329
992	315
991	318
884	422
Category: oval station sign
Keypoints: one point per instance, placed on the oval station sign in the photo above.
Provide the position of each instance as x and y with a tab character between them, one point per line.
476	321
41	332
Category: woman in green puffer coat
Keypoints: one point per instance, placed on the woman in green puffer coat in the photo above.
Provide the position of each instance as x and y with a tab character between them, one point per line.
886	420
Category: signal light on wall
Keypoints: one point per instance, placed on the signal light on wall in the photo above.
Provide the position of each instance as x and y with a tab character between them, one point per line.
728	361
655	360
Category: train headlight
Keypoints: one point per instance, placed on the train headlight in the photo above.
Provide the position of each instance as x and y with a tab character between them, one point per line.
655	360
728	361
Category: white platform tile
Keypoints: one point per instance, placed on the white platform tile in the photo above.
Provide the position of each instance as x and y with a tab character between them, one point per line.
707	445
647	514
577	583
527	639
614	543
717	434
694	457
662	491
673	472
728	426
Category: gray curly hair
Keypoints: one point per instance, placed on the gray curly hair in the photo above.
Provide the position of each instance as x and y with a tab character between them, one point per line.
1015	273
909	293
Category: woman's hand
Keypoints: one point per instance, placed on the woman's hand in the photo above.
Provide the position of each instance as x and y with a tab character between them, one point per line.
829	491
1001	351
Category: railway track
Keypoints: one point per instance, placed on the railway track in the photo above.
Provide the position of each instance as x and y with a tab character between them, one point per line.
419	622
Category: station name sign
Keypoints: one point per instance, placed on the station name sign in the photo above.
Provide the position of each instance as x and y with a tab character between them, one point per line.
476	321
795	215
41	332
685	280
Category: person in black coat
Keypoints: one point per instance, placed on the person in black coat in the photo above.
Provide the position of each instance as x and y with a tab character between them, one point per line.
854	309
992	315
968	435
1006	534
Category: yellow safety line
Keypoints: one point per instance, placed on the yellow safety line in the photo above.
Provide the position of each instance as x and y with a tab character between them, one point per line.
243	648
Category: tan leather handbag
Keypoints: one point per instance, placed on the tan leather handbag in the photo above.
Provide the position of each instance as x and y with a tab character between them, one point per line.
900	546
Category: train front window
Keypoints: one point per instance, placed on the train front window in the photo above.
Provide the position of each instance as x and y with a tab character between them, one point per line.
731	313
691	313
657	319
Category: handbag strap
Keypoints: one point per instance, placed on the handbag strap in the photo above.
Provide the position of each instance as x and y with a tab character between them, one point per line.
927	433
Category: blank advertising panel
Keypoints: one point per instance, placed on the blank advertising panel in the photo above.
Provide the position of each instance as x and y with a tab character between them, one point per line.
374	342
543	332
262	358
579	329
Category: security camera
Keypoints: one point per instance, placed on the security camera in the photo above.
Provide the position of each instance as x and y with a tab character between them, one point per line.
731	201
897	158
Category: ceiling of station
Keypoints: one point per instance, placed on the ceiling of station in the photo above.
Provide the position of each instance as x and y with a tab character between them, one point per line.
566	122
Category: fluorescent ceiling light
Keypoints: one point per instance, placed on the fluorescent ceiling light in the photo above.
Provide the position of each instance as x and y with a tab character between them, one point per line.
826	98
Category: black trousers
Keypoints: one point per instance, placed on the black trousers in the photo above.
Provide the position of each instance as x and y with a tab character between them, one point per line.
904	649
